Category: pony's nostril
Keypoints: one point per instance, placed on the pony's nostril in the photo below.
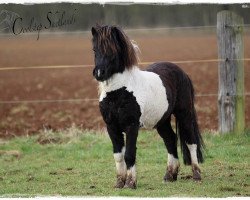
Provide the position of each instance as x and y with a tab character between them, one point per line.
102	72
99	73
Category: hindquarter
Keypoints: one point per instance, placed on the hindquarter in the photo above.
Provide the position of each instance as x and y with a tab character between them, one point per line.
178	86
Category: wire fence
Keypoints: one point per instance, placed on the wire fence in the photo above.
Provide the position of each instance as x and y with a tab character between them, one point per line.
39	101
88	32
91	65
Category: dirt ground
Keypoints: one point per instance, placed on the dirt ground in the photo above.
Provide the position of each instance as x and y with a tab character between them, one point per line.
78	83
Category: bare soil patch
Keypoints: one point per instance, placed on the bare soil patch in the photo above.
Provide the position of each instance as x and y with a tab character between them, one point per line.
78	83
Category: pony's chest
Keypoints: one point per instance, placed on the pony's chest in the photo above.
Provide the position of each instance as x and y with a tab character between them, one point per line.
120	107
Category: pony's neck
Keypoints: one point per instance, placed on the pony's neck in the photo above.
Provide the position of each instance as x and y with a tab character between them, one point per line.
118	80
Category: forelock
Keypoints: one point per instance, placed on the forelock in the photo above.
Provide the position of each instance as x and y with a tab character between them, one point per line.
105	40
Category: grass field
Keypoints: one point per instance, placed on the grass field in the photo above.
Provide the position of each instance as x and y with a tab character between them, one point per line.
81	164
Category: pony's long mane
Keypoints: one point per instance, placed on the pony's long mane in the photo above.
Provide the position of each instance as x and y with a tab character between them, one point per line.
111	40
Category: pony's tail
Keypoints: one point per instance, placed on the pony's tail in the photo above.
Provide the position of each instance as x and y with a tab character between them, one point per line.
193	134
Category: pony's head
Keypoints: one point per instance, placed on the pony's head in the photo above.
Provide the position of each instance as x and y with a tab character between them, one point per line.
113	50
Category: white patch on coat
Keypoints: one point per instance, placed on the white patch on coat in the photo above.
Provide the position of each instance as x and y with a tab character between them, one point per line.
173	162
121	167
132	172
147	88
193	152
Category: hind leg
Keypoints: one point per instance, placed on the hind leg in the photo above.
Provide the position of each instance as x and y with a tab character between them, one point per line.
170	139
194	161
191	141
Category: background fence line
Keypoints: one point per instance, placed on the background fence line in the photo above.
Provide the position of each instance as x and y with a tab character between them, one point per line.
181	27
87	99
91	65
128	30
88	66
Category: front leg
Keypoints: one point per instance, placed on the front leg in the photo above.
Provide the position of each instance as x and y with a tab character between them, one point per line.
117	139
130	156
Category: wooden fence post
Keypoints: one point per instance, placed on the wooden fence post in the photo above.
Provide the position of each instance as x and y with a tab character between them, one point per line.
231	98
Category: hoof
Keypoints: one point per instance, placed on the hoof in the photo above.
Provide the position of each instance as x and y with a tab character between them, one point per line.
120	182
170	177
171	174
130	183
196	173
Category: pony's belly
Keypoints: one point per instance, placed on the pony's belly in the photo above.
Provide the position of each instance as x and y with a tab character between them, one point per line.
153	113
152	99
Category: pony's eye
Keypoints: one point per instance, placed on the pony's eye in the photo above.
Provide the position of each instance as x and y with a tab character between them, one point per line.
94	50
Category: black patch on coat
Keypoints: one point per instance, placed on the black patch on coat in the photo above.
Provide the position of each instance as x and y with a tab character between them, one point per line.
119	108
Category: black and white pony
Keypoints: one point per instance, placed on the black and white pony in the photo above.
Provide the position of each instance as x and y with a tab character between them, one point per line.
131	98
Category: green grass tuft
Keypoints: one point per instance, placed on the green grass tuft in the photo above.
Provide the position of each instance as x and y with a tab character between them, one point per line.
76	163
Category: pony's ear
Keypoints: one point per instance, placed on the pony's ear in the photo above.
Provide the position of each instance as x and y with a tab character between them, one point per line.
119	35
116	30
93	31
129	57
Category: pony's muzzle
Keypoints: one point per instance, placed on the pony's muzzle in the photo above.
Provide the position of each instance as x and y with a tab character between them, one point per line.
99	74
